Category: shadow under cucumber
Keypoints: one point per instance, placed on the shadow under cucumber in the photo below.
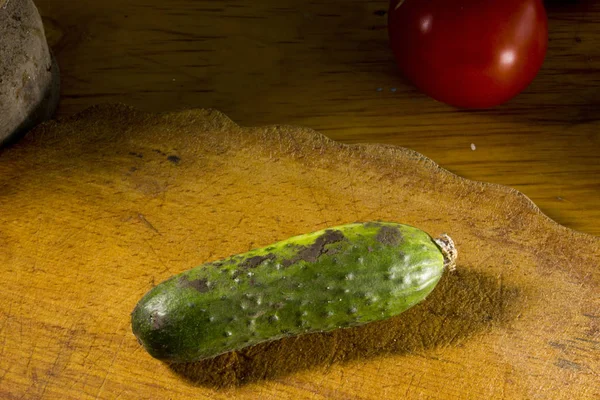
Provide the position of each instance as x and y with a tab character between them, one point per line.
463	304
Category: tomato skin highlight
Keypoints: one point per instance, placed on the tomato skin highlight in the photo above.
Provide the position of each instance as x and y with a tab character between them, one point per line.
469	53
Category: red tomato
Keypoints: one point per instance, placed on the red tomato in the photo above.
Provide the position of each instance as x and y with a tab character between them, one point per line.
469	53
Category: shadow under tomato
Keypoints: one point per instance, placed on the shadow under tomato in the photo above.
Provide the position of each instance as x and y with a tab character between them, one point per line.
463	304
571	5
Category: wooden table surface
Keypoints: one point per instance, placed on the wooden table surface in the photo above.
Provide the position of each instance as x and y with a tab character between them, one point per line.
327	65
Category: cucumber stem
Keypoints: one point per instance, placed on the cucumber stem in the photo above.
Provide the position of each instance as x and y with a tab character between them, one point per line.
448	250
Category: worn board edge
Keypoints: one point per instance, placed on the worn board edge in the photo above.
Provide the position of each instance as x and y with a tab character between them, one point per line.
222	121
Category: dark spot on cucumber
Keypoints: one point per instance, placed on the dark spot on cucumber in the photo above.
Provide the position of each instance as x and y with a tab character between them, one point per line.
234	260
314	251
255	261
273	319
332	252
200	285
389	235
157	321
311	253
252	282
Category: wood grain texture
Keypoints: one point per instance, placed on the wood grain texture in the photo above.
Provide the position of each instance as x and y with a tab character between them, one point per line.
97	209
327	65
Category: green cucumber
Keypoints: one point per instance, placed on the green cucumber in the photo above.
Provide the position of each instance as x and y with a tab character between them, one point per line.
339	277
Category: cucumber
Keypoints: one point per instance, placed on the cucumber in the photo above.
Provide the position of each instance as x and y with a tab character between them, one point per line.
339	277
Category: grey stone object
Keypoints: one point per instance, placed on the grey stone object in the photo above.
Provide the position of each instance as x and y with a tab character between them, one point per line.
29	75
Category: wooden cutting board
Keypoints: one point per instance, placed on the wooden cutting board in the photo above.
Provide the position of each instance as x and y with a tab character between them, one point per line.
98	208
